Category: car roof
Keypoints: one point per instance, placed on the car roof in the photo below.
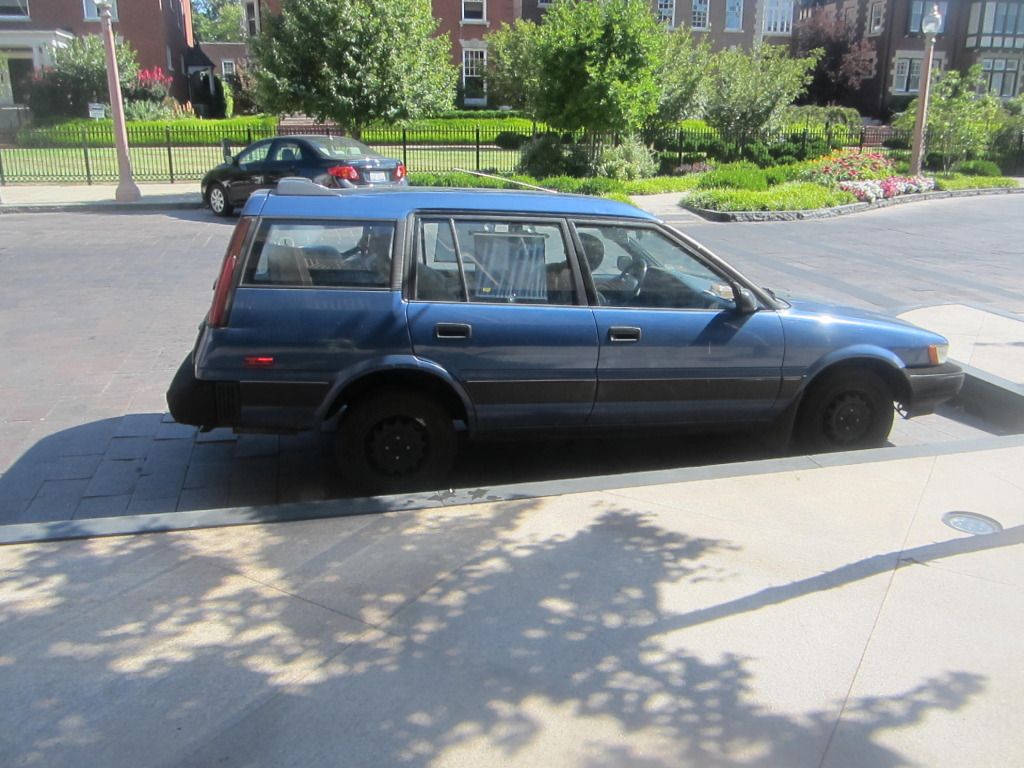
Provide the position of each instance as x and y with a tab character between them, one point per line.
397	203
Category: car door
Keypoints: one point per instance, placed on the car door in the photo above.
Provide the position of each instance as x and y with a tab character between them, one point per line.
496	301
674	347
248	172
284	159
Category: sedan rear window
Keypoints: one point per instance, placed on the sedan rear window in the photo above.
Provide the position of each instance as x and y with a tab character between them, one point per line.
332	254
341	148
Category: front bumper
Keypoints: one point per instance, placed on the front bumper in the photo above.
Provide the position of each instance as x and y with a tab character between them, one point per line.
932	386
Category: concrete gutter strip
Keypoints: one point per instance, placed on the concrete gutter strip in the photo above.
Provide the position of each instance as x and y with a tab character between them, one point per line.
844	210
106	207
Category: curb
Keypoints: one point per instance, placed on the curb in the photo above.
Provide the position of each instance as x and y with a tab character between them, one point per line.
101	207
843	210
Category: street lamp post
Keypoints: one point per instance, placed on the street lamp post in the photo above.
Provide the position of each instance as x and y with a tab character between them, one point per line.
930	26
127	190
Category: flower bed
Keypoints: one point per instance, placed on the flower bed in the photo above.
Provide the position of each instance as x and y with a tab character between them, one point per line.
849	165
869	191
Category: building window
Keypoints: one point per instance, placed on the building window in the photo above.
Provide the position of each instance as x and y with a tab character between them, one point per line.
667	12
899	78
778	17
850	19
699	16
227	68
907	74
918	9
473	10
91	14
251	24
14	9
474	64
875	22
1001	76
734	14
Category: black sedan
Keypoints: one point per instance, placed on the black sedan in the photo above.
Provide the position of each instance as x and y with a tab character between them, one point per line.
334	161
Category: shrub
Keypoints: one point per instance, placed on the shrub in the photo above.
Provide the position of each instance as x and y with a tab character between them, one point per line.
628	161
543	156
780	174
136	110
152	85
792	196
734	176
510	140
977	168
955	181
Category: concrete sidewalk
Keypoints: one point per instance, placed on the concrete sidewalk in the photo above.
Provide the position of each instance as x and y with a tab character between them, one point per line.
56	197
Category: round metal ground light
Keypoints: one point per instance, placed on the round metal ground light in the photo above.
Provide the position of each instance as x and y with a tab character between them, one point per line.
969	522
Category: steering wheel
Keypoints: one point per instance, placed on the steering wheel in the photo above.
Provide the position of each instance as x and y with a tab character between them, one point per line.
634	273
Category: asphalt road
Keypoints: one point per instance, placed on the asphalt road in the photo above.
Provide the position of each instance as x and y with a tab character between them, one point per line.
97	310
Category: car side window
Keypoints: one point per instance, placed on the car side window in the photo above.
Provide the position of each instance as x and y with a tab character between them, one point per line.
492	261
353	254
286	152
253	155
642	267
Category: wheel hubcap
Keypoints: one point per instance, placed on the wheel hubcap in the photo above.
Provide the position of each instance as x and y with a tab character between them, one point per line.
848	419
217	200
398	446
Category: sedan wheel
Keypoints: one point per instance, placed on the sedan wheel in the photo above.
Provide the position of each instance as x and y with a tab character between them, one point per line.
846	410
217	199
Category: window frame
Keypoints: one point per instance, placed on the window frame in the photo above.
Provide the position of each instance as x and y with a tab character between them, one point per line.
26	16
875	20
703	7
776	20
916	12
661	7
481	19
738	14
96	17
480	57
223	68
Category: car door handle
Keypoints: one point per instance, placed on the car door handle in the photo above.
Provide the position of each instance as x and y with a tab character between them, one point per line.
623	333
453	331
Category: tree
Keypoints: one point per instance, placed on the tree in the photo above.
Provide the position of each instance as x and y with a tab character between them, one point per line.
78	76
218	21
512	74
682	76
963	116
747	92
354	61
597	65
844	64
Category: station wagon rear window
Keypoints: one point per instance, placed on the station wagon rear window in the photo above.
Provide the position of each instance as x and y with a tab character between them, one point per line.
335	254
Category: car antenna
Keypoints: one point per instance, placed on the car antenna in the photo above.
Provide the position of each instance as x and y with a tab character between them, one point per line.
507	180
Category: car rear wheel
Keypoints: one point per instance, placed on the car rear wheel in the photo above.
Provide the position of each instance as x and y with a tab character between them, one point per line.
396	440
846	410
217	199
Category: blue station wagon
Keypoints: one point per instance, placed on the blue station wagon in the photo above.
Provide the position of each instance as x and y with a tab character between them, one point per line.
415	318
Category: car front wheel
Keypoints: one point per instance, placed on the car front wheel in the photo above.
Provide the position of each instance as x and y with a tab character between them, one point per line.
396	440
846	410
217	199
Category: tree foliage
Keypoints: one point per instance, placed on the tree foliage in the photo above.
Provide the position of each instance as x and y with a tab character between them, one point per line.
218	21
354	61
512	77
844	63
747	92
596	65
681	77
963	116
78	76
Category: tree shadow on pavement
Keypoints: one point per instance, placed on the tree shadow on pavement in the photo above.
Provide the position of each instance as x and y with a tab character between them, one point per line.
504	634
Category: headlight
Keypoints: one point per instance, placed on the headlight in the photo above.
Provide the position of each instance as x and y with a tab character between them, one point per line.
937	353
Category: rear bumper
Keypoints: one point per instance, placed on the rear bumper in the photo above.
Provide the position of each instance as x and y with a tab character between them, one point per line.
203	404
932	386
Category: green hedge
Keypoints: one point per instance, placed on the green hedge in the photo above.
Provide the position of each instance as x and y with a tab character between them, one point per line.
566	184
956	181
791	196
187	132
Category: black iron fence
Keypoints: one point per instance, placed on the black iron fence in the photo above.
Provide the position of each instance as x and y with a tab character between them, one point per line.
185	153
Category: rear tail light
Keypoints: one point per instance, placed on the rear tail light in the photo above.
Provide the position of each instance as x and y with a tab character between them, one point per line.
346	172
218	315
400	172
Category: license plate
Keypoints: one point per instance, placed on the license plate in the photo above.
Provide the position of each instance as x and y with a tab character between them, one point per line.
376	176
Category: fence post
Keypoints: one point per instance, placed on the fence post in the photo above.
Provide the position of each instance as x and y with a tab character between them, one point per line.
863	130
170	155
805	144
679	154
85	151
3	178
1018	168
248	136
405	149
478	147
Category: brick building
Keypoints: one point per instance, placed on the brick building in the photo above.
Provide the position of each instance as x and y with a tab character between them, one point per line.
159	30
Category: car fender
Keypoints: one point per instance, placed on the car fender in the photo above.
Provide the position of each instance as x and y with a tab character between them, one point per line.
345	379
856	353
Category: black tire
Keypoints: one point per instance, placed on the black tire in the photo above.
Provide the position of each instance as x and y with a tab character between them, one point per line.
396	440
217	199
845	410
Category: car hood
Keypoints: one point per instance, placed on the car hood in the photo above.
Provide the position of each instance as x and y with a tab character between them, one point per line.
841	312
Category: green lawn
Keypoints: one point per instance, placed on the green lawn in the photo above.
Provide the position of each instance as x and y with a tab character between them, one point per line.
190	163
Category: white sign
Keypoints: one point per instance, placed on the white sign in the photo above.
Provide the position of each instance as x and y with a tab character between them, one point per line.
97	111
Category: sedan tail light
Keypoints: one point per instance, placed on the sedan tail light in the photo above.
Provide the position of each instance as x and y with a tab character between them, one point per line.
400	172
346	172
218	315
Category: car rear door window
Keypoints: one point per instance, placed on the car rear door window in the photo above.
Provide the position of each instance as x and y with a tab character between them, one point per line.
333	254
493	261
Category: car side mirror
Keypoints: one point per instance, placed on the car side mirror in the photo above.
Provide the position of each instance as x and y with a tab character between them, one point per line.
225	149
746	302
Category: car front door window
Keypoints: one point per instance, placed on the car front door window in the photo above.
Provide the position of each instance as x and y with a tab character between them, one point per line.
254	157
